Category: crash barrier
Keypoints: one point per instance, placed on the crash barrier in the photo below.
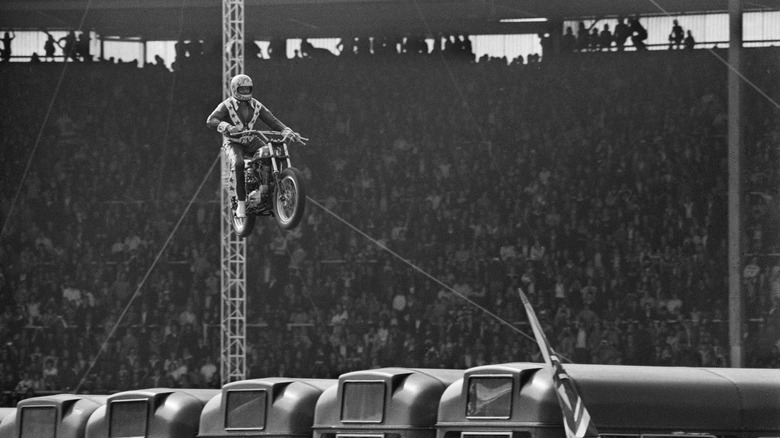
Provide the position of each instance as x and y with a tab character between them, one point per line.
157	412
519	400
53	416
386	402
514	400
271	407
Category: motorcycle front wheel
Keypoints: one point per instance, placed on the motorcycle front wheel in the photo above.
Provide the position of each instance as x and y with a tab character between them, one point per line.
289	199
243	226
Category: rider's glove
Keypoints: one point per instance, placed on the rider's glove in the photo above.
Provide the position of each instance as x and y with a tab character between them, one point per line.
225	127
288	133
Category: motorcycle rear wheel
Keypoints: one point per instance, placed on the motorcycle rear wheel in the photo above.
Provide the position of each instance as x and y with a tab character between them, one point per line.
289	199
243	226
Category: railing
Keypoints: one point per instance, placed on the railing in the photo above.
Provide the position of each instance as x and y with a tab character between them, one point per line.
626	48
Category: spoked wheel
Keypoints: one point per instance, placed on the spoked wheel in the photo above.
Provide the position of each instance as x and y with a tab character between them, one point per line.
243	226
289	199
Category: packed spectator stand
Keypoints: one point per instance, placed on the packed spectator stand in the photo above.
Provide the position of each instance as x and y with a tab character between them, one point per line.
596	182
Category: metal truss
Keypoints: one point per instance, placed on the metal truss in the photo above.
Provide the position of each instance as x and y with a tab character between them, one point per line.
233	330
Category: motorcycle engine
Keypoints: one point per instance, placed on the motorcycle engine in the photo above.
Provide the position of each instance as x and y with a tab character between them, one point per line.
251	178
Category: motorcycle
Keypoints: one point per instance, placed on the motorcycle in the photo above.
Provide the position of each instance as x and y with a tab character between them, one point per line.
273	186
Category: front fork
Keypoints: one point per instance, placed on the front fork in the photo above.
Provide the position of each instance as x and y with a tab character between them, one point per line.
276	169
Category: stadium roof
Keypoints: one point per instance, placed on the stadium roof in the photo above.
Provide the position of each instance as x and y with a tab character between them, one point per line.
168	19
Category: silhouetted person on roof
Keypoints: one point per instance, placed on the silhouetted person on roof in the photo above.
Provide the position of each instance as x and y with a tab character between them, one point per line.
583	37
6	55
69	48
362	46
638	34
595	40
546	42
689	42
253	50
605	39
465	48
277	49
82	47
307	49
676	36
622	32
48	47
568	41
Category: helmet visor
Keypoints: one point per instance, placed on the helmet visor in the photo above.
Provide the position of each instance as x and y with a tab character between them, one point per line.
244	90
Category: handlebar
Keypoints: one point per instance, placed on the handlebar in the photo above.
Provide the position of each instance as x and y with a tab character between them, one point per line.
264	135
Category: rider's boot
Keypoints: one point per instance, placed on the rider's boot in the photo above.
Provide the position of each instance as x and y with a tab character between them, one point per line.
241	209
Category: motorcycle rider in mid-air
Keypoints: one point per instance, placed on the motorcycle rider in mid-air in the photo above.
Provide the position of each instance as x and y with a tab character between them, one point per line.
237	113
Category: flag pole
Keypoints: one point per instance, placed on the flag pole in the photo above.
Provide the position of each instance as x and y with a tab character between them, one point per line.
576	418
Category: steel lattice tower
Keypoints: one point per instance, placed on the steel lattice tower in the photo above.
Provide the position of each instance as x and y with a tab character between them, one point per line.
233	330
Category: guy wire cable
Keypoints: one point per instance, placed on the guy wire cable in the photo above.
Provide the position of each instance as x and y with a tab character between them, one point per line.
146	276
174	76
420	270
726	63
43	126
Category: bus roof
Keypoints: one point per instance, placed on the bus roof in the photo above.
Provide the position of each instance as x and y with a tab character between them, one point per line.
385	398
669	397
622	398
150	412
275	406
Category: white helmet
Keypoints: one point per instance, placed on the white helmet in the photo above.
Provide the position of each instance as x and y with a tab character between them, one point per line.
241	87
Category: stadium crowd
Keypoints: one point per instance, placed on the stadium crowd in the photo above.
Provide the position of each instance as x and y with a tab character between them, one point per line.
597	184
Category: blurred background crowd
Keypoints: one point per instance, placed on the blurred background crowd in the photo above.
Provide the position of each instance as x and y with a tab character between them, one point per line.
595	182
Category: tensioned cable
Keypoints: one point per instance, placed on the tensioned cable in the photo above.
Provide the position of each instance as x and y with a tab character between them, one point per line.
132	298
457	87
452	75
726	63
148	272
493	162
170	108
410	264
43	126
422	17
420	270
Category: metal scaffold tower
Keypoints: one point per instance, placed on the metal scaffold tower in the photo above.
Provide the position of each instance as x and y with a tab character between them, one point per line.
233	333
